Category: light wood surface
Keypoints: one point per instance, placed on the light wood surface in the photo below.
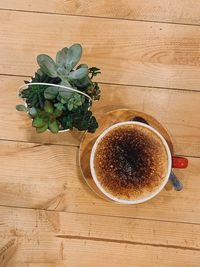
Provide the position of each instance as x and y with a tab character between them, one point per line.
165	56
149	55
179	11
56	236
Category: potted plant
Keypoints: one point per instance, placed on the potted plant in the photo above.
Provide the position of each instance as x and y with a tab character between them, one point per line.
60	94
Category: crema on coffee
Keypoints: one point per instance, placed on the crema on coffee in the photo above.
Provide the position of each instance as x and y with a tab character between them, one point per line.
130	162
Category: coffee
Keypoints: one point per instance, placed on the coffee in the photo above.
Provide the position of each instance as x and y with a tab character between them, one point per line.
130	162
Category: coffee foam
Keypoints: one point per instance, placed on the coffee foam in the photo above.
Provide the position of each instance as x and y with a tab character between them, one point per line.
130	162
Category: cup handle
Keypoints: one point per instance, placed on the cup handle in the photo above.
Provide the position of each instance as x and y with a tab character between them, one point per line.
179	162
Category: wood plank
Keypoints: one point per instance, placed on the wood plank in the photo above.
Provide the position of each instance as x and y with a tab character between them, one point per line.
127	52
19	222
82	253
177	110
179	11
47	237
48	177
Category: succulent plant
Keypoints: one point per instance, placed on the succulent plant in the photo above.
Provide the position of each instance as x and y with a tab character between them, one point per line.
46	118
66	60
34	94
56	108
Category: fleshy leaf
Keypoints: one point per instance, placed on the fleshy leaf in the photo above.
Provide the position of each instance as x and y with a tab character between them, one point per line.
42	129
82	66
21	108
60	106
78	74
70	105
73	56
33	112
61	57
82	83
62	72
67	122
47	65
65	94
38	122
53	127
51	92
62	100
48	107
65	83
57	113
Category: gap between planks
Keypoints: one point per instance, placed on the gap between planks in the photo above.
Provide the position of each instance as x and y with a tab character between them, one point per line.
98	17
99	215
54	225
117	84
125	242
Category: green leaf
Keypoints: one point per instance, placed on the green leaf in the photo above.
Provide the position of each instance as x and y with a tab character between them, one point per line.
47	65
82	83
82	99
59	106
59	98
79	103
39	72
70	106
77	100
33	112
57	113
21	108
42	129
78	74
48	107
93	125
63	101
38	122
51	92
62	73
65	83
61	57
77	96
65	94
53	127
82	66
67	122
73	56
94	71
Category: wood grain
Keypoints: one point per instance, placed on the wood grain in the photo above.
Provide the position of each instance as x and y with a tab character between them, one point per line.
48	215
50	236
7	250
48	177
177	110
127	52
178	11
17	223
90	253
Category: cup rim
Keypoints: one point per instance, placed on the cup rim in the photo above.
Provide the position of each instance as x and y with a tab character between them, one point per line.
151	195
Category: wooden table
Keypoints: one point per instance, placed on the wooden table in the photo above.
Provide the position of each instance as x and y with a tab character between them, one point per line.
149	54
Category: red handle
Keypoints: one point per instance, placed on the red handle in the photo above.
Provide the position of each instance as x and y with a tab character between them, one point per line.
179	162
